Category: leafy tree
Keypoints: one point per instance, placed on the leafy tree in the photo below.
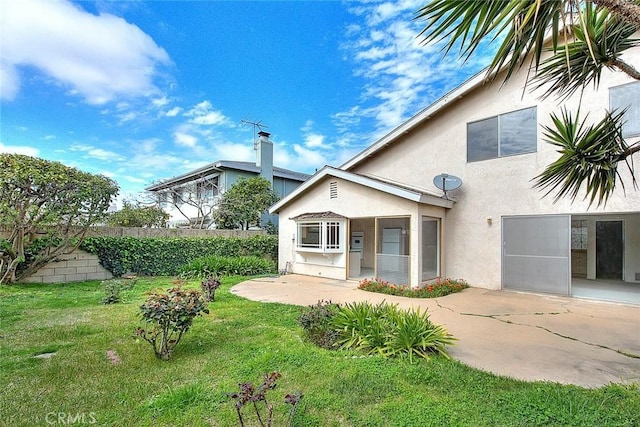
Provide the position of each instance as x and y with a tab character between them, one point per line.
584	37
137	215
244	202
47	208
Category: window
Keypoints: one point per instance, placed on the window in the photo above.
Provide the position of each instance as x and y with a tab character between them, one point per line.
504	135
627	96
579	234
322	236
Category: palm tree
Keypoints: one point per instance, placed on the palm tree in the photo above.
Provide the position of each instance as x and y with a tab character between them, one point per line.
585	37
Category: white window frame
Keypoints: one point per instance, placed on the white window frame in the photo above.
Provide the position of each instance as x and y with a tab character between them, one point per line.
330	236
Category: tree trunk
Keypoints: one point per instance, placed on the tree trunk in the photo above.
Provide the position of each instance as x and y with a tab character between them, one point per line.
627	10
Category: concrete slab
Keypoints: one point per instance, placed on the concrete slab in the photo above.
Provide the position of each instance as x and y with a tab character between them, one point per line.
525	336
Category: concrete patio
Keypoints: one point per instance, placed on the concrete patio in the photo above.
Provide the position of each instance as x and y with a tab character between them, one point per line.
524	336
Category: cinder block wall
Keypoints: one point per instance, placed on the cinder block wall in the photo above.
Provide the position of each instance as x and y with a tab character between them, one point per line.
73	267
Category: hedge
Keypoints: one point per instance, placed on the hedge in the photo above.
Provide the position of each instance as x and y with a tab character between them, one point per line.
165	256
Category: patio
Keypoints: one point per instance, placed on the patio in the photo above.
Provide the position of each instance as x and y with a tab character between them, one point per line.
525	336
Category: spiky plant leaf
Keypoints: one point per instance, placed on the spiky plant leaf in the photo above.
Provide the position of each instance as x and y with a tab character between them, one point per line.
589	157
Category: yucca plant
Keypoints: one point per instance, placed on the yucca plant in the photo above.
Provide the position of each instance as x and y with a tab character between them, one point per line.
588	154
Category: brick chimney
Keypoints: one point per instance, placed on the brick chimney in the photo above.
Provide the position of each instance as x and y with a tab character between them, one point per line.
264	156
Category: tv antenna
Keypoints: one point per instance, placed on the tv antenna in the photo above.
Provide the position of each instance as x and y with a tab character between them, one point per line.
256	125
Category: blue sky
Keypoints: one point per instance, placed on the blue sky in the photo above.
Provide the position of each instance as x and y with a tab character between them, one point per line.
142	91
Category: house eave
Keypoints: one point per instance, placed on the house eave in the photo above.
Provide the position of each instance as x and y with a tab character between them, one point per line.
376	184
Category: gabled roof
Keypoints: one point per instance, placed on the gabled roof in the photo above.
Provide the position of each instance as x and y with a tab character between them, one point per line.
400	190
222	165
407	126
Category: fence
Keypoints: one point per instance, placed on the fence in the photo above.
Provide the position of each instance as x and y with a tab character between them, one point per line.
5	232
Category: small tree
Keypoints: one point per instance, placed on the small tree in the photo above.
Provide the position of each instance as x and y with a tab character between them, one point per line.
243	203
195	200
168	316
48	208
137	215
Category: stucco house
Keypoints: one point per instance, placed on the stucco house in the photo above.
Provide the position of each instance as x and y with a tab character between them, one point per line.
380	214
192	197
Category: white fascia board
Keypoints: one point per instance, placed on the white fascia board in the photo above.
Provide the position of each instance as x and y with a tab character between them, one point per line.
404	193
416	120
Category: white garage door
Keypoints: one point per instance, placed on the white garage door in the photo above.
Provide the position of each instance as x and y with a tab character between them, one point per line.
536	253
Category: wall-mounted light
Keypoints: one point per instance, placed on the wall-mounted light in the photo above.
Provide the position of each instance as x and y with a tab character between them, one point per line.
489	220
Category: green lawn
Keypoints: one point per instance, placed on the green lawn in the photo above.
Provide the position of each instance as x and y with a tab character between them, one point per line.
237	342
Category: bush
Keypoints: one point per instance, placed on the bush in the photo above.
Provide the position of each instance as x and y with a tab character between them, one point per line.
227	266
165	256
209	287
252	395
168	316
389	331
438	288
317	324
114	287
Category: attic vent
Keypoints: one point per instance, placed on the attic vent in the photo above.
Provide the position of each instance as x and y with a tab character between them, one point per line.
333	190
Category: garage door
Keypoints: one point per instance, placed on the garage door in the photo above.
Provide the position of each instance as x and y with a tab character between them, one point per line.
536	253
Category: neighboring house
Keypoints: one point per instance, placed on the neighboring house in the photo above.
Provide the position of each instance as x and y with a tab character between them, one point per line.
380	214
191	198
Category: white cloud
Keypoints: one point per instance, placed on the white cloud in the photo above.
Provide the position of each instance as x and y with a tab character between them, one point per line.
204	114
233	151
99	57
49	137
173	112
19	149
400	75
97	153
135	180
313	140
185	139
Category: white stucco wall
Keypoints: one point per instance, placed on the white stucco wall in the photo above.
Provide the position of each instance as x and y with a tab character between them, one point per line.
497	187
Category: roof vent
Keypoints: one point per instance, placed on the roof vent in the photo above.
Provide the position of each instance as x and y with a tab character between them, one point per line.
333	190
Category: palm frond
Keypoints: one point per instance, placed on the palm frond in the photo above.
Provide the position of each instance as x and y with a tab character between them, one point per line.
597	45
523	26
589	157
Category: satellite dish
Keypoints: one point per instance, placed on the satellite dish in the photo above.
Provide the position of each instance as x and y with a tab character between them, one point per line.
446	182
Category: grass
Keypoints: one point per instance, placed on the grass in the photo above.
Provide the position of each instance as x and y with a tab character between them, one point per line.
238	342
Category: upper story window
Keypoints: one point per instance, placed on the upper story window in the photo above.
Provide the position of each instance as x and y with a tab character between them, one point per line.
503	135
627	96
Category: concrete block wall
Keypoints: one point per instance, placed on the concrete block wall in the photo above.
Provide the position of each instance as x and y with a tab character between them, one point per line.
74	267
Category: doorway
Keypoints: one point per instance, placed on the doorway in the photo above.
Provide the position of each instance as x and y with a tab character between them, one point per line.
609	250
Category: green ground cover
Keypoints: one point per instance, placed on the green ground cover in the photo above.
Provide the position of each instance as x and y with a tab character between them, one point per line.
238	342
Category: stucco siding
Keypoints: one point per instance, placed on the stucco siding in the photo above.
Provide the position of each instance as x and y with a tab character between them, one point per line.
497	187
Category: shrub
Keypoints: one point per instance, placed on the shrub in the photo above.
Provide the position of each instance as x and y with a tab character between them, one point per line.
317	324
209	287
163	256
168	316
113	287
225	266
438	288
389	331
249	394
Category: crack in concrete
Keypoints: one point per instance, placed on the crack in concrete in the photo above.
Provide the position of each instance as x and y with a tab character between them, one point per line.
497	317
